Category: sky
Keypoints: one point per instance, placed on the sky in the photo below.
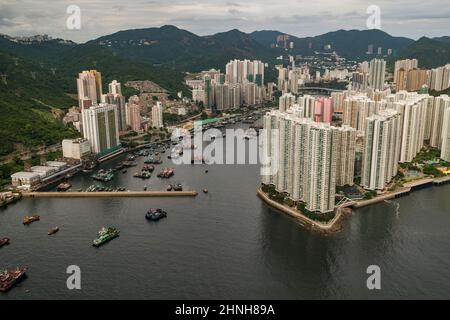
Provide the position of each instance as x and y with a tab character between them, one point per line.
409	18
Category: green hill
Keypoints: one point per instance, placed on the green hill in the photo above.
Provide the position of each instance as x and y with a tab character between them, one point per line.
429	52
26	104
352	44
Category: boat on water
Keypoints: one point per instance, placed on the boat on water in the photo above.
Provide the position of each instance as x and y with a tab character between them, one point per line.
129	164
169	187
103	175
53	231
178	187
4	242
148	168
166	173
205	191
155	214
9	278
105	235
64	187
153	160
28	220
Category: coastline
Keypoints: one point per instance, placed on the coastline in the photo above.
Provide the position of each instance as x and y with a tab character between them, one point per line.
333	226
336	224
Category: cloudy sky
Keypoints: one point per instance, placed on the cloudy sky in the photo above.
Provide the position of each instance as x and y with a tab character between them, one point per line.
410	18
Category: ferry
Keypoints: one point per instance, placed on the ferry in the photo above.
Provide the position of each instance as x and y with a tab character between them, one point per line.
28	220
155	214
9	279
105	235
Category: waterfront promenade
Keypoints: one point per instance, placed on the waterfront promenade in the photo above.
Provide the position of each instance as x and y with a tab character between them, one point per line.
118	194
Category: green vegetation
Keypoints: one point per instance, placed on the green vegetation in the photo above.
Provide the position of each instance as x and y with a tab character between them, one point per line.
370	195
431	170
429	52
281	198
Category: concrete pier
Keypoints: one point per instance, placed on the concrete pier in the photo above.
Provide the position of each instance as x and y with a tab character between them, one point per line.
119	194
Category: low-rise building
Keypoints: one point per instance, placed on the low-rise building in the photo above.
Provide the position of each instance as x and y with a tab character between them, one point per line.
43	171
25	179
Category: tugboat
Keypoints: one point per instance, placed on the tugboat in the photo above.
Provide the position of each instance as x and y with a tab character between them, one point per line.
4	242
155	214
8	279
53	231
64	187
105	235
178	187
28	220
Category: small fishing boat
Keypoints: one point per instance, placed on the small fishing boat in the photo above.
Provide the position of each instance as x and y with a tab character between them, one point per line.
4	242
53	231
28	220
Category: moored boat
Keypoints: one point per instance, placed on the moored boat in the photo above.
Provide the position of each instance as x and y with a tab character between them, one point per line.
166	173
103	175
27	220
169	187
64	186
178	187
10	278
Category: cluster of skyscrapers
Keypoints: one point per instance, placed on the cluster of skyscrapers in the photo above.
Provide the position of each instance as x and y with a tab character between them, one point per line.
379	130
103	116
241	85
408	76
311	158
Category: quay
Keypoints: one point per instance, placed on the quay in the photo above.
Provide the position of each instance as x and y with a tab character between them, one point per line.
112	194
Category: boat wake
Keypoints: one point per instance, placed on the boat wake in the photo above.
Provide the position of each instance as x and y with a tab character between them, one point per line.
396	205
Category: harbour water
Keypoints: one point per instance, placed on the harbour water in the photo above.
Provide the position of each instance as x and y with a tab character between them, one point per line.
225	244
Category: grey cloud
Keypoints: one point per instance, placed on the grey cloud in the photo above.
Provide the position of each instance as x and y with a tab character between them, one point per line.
410	18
